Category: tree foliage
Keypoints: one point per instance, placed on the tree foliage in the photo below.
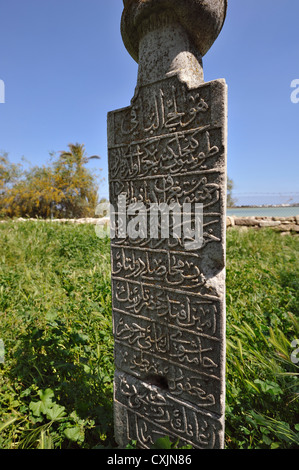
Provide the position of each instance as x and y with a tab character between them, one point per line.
9	172
230	200
63	189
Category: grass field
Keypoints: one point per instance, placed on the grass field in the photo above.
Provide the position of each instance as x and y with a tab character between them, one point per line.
55	310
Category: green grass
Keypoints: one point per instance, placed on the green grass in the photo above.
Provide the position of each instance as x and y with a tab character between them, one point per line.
262	321
55	311
55	307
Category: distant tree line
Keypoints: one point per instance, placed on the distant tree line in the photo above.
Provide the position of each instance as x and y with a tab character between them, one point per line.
64	188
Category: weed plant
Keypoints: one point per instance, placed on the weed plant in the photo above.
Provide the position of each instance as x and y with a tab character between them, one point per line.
55	309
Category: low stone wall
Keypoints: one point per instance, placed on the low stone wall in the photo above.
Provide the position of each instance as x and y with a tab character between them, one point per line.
281	224
88	220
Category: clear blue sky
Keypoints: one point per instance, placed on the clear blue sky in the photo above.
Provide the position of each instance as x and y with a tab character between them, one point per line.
64	66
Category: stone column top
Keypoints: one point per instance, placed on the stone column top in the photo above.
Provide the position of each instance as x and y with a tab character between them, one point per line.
202	20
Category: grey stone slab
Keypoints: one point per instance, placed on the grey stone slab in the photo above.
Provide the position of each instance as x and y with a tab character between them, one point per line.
167	151
145	412
169	303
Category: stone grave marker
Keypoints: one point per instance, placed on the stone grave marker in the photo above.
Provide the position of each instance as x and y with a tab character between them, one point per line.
167	177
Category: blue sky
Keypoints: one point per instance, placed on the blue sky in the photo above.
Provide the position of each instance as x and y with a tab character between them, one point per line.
64	66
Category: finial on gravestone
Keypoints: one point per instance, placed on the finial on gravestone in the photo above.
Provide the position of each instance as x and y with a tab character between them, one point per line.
170	37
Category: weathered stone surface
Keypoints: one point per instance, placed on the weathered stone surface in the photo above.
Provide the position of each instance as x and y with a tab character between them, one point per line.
176	54
168	298
230	221
282	224
290	227
168	303
246	221
169	37
269	223
201	19
145	412
285	223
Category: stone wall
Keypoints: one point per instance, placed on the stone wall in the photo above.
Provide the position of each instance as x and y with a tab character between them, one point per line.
281	224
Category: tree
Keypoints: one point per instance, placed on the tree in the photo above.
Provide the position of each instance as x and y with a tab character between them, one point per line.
230	200
63	189
9	172
75	183
30	196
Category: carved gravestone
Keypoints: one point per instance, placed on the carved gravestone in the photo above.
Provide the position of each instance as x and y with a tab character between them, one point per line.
168	150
